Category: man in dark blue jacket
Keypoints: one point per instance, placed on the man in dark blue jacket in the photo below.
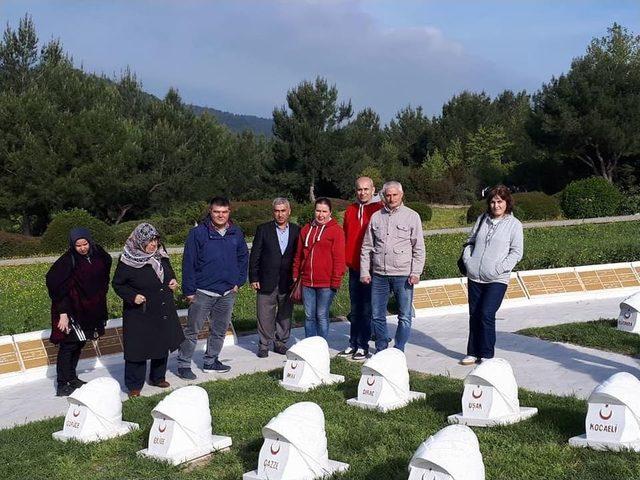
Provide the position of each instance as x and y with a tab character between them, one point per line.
214	266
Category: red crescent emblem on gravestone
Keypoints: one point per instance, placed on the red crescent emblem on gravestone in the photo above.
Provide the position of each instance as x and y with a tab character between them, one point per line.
606	417
424	475
473	393
76	412
273	450
162	427
371	380
294	365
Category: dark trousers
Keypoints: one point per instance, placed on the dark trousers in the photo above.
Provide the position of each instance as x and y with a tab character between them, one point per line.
67	361
134	372
484	302
360	314
274	318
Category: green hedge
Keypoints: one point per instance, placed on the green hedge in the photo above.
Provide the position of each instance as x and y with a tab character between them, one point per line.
536	206
590	198
423	209
56	237
630	205
527	206
16	245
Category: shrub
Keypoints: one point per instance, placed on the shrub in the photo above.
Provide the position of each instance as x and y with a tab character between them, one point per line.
630	205
304	213
249	227
536	206
16	245
56	236
177	238
249	212
527	206
170	225
422	209
476	209
120	232
591	197
191	212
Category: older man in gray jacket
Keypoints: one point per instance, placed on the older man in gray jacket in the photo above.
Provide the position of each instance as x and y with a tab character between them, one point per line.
392	260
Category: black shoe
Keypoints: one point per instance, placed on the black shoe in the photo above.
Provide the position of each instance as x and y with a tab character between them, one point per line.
360	355
77	383
217	366
281	349
186	374
65	390
347	352
263	353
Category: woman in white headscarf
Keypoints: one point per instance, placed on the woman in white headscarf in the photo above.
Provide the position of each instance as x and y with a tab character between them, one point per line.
145	281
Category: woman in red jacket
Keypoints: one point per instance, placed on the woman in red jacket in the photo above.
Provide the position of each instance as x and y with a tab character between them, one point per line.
320	261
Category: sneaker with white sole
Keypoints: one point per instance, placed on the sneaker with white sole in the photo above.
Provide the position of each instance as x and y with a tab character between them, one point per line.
360	355
216	367
347	352
469	360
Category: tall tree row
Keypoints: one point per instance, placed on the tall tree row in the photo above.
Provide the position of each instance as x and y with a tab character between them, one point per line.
69	138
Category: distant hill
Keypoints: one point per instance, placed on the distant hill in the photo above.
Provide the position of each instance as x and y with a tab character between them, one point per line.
238	123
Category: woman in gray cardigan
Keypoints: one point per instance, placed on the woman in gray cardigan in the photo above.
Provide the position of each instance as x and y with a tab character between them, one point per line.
493	249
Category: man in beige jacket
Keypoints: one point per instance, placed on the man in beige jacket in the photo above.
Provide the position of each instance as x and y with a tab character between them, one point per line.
392	260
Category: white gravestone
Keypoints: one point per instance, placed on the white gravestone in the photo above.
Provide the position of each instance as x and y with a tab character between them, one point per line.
490	397
613	416
384	383
453	453
307	366
295	447
628	318
95	413
181	429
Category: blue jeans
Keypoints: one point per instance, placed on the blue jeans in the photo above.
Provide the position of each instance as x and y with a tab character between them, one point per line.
484	302
317	302
360	314
381	286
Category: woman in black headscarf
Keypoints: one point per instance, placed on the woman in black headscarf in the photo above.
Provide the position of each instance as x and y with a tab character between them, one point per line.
78	283
145	281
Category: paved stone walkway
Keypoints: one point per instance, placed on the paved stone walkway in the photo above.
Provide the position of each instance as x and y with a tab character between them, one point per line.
436	345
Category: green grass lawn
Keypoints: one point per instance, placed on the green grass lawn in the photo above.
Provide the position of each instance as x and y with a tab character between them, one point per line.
24	304
447	217
601	334
376	445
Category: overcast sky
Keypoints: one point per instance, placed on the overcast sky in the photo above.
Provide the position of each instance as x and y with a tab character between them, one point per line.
243	56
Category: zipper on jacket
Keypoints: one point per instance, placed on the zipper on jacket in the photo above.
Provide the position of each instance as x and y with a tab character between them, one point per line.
486	243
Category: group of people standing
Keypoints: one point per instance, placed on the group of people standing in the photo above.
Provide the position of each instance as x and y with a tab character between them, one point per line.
381	243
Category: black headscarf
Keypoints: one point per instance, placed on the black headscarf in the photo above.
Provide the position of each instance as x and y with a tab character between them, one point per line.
77	234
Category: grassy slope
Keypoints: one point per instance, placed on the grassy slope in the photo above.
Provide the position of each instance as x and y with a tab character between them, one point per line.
377	446
24	304
601	334
450	217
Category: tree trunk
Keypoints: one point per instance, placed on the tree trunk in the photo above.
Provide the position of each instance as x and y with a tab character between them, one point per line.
312	194
123	212
26	224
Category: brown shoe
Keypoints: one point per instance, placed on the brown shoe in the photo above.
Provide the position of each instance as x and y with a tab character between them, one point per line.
134	393
161	384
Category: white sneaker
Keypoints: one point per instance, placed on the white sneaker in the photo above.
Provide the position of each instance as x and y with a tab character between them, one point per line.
468	360
347	352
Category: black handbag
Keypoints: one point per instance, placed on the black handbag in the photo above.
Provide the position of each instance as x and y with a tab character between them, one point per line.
462	268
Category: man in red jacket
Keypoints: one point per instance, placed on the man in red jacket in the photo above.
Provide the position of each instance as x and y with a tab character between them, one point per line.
356	220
